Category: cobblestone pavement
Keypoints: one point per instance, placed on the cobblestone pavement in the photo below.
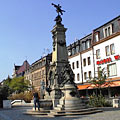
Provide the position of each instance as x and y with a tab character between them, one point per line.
17	114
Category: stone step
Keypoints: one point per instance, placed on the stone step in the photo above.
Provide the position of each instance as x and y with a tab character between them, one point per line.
41	112
56	113
72	114
35	113
73	111
58	108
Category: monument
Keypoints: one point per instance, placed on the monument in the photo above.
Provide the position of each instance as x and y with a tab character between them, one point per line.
62	88
61	96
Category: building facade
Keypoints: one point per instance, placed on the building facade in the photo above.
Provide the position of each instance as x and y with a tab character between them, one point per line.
19	71
37	73
96	51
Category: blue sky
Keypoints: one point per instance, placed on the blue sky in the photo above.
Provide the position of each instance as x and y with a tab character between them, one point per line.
25	26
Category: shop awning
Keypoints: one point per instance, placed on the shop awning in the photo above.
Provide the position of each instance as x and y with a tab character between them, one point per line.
92	86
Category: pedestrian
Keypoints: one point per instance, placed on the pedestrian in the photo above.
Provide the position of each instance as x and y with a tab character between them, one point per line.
36	100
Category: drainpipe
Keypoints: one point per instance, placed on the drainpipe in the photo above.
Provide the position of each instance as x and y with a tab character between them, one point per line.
93	52
81	67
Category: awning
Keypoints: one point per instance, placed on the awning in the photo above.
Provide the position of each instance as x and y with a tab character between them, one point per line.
92	86
84	86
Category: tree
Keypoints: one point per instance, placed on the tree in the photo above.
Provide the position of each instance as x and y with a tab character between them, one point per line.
4	93
7	81
18	84
98	100
99	80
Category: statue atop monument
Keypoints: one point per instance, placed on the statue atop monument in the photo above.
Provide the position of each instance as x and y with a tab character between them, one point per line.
58	19
58	9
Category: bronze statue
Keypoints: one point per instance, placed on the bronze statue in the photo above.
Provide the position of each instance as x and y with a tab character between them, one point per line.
58	9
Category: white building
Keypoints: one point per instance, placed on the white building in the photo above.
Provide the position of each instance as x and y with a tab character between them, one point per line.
98	50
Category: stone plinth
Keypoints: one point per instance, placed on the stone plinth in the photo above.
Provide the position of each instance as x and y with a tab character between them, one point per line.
70	100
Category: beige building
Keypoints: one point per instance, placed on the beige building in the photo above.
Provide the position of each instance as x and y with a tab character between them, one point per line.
37	73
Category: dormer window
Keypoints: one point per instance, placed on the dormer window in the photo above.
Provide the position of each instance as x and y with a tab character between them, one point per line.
73	51
77	49
107	31
69	53
88	43
96	36
83	45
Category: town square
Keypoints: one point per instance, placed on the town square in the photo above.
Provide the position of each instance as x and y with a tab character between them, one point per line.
73	80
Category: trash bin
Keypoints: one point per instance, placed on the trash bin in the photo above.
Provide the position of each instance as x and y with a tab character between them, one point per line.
116	103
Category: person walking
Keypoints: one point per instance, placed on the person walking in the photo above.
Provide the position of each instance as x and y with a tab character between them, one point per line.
36	100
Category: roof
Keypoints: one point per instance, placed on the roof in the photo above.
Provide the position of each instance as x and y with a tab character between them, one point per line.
23	67
17	67
107	23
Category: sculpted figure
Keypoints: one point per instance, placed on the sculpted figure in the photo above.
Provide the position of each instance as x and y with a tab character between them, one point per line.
58	9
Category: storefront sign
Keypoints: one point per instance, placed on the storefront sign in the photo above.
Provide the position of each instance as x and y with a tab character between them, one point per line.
117	57
104	61
107	60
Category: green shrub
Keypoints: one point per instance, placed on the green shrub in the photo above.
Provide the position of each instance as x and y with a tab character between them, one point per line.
27	96
98	101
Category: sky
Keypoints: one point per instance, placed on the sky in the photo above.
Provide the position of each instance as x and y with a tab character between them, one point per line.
25	26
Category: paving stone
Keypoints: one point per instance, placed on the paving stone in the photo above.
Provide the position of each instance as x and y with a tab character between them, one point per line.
17	114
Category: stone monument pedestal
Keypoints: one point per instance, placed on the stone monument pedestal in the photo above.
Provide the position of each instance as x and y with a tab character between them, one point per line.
70	100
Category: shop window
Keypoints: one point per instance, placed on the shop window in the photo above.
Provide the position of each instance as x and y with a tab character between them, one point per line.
107	51
112	49
112	70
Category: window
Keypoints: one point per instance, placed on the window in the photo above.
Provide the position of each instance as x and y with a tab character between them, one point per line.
107	31
83	45
89	61
107	51
87	44
99	69
84	62
77	64
73	65
98	53
112	70
85	75
69	53
42	72
90	74
73	51
112	49
77	49
96	36
78	77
